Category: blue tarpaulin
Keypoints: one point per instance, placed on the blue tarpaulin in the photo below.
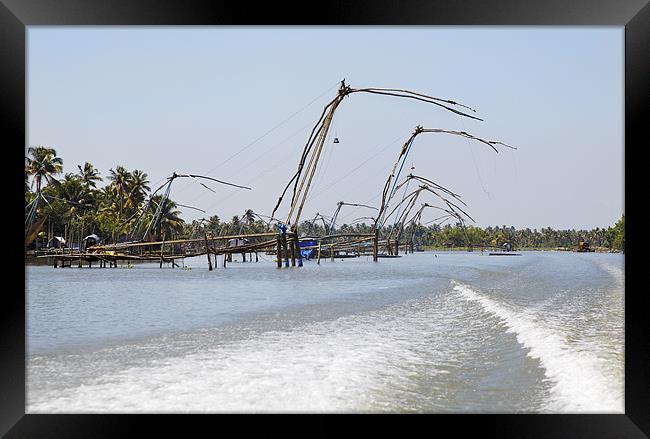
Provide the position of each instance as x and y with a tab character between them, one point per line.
308	252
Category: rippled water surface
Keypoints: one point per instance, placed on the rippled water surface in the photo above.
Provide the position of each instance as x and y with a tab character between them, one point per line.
428	332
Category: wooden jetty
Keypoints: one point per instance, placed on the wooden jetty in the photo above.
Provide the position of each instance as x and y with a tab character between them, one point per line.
285	246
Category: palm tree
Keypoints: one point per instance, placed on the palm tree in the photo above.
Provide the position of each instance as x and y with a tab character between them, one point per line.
120	180
214	224
235	225
89	175
249	219
137	189
73	190
43	164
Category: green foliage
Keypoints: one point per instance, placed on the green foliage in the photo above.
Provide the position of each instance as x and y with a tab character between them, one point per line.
618	234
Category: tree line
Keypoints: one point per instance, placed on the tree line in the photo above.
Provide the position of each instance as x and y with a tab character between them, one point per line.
76	204
73	205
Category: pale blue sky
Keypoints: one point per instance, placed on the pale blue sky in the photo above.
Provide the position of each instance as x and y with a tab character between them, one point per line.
237	103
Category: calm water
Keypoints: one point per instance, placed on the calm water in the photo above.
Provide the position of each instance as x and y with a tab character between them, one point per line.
445	332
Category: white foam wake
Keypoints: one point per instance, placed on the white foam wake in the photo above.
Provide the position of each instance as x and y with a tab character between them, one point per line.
329	366
617	272
579	377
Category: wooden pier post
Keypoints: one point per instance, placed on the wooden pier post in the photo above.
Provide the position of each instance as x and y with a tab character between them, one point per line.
293	252
56	263
297	246
332	252
375	246
279	252
319	248
162	246
207	252
396	247
285	250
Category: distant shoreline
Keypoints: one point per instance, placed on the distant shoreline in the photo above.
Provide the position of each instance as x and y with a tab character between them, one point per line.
34	261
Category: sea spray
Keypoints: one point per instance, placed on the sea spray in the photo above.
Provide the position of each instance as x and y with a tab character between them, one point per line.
580	383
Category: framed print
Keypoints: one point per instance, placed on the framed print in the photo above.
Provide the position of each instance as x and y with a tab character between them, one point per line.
382	209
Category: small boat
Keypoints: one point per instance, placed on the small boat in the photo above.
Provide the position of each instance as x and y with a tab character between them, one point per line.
505	254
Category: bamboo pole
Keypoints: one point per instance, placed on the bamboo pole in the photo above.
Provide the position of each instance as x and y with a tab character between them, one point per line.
348	235
375	246
315	157
207	252
179	241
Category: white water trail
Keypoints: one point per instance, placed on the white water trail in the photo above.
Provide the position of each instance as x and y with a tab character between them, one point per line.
580	379
330	366
617	272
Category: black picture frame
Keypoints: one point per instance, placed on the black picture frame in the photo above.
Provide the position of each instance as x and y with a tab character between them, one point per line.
634	15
